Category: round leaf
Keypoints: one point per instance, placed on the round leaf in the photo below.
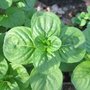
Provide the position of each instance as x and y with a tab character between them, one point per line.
18	45
73	45
81	76
5	4
45	24
51	80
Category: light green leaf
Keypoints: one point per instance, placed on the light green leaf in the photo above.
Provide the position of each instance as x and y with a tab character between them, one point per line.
3	68
46	24
14	17
87	16
44	61
5	4
45	52
51	80
82	15
18	45
9	85
21	4
48	45
22	77
73	45
81	76
83	22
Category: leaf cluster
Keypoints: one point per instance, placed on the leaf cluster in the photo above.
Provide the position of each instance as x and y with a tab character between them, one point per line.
35	57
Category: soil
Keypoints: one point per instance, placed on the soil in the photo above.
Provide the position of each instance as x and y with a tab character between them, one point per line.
67	85
65	9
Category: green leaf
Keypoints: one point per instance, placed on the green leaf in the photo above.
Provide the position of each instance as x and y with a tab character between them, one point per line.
73	45
88	9
81	76
50	80
3	68
44	61
5	4
88	24
18	45
82	15
1	45
87	16
75	21
22	77
1	17
43	58
29	4
14	17
87	36
83	22
46	24
9	85
68	67
49	45
28	88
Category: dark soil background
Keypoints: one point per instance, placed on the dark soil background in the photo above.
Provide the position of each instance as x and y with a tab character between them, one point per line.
65	9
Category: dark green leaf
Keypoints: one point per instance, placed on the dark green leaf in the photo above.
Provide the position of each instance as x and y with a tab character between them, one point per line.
5	4
1	45
9	85
68	67
14	17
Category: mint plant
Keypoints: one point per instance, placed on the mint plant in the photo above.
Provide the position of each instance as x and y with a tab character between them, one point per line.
81	19
36	49
47	46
